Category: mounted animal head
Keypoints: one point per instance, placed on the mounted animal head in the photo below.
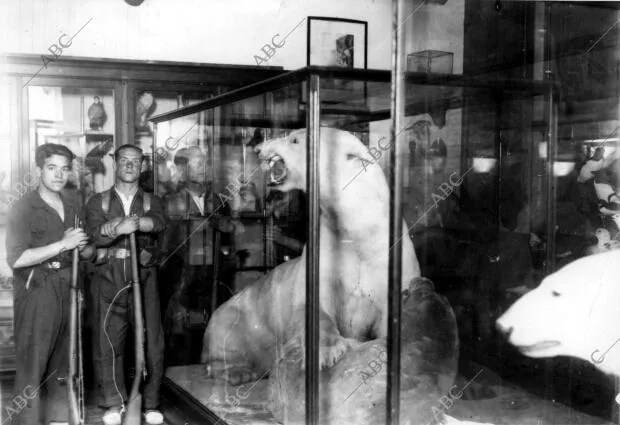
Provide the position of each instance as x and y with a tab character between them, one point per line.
349	175
574	312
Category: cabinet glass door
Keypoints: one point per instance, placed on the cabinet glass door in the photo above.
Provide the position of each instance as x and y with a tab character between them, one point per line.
83	120
8	195
154	102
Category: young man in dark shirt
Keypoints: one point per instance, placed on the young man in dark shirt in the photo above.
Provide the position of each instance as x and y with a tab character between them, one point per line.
111	216
39	241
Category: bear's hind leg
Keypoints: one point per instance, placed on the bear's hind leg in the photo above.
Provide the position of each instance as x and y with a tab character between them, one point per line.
227	352
332	345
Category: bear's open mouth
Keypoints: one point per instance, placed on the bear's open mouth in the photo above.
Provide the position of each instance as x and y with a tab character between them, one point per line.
539	346
277	170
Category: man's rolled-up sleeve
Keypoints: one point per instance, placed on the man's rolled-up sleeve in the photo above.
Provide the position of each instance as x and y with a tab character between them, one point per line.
18	235
95	219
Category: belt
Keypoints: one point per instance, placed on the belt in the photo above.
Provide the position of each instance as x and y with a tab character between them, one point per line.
119	253
104	254
56	265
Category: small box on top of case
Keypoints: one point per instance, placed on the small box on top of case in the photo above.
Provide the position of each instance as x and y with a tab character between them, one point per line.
431	61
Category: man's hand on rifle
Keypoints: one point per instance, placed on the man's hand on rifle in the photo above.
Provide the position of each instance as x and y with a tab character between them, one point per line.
87	252
128	225
74	238
109	228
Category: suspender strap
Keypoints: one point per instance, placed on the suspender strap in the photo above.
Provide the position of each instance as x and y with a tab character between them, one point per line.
146	202
105	201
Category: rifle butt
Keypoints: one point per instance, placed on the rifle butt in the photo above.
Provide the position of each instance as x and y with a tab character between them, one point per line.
134	411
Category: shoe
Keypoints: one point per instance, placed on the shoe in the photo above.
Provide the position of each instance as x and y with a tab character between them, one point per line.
112	416
153	417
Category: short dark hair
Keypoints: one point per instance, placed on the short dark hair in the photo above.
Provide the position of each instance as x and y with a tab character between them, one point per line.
118	150
48	149
184	154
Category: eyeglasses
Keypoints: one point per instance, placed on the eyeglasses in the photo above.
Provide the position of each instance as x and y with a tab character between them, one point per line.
135	162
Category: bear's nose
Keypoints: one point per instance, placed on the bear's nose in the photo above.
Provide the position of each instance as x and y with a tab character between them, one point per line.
503	329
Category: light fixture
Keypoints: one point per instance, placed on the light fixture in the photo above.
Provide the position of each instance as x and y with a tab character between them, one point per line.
483	164
543	149
563	168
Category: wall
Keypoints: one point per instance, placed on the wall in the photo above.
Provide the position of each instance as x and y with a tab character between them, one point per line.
213	31
437	27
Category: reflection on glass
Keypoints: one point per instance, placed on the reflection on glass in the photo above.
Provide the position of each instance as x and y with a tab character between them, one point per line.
149	103
466	205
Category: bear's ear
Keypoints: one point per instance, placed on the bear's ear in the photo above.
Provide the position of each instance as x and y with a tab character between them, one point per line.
296	136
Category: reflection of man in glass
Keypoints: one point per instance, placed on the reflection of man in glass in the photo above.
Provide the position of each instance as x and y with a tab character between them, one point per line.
191	163
189	268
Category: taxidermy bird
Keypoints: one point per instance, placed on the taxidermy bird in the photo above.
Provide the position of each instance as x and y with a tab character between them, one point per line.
94	158
593	164
144	108
604	243
249	197
96	114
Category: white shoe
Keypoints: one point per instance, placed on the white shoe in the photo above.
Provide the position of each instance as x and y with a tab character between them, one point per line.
153	417
112	416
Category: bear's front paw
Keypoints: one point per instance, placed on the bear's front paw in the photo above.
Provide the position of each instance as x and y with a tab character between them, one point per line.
330	354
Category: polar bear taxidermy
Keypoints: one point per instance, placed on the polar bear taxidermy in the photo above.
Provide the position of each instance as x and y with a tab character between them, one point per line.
261	330
573	312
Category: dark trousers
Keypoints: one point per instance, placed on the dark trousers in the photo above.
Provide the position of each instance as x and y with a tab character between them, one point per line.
109	298
41	319
191	294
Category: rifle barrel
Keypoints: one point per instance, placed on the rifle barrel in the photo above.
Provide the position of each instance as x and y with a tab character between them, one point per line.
134	407
74	378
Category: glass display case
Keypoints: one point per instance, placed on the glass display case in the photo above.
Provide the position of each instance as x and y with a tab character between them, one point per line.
484	201
7	352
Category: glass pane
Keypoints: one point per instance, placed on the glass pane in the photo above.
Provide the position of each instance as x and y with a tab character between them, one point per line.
218	238
242	232
149	103
83	120
8	195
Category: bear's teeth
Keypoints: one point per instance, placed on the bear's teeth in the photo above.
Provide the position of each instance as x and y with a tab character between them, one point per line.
277	168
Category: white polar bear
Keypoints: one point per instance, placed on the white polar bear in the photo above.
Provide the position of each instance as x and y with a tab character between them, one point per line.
574	312
242	337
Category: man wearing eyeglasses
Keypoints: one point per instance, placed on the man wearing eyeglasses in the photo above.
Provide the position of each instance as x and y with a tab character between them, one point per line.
188	270
111	217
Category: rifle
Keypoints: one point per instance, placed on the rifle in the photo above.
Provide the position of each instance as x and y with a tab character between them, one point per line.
134	407
75	383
